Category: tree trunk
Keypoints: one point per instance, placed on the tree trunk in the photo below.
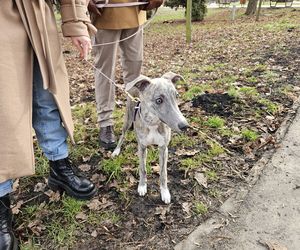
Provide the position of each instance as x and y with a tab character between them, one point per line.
189	21
251	8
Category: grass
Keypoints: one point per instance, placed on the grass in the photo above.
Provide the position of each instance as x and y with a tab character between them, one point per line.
113	167
270	106
182	140
249	92
62	230
282	24
195	90
200	208
215	122
249	135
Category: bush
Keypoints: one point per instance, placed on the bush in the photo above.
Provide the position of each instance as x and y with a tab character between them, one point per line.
199	8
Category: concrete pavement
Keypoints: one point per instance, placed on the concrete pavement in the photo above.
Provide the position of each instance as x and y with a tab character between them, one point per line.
265	215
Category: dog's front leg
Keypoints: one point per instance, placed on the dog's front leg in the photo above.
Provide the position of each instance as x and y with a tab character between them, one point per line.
142	188
163	160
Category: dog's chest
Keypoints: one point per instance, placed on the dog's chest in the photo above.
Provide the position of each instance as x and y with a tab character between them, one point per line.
154	137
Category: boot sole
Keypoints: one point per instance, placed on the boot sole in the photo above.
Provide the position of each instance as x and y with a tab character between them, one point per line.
61	187
108	146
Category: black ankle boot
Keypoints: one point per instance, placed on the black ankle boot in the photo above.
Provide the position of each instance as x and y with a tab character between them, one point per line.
7	238
64	178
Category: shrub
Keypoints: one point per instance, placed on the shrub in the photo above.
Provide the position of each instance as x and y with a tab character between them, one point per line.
199	8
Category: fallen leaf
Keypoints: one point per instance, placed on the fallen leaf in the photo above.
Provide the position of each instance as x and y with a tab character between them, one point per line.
53	196
201	179
81	216
186	206
16	184
155	168
184	152
36	227
94	205
85	167
86	158
16	208
94	234
39	187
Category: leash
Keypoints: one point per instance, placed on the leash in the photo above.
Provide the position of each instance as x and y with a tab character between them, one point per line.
134	99
143	26
106	4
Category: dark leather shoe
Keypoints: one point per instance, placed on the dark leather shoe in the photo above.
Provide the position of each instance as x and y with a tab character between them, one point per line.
64	178
107	138
7	239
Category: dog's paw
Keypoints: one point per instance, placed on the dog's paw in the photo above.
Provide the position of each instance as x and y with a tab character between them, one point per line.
165	195
116	152
142	189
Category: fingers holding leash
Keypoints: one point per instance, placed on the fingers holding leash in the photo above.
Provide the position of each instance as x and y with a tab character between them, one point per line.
83	45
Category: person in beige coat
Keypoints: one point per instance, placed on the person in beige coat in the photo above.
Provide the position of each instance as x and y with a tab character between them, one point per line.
35	93
115	24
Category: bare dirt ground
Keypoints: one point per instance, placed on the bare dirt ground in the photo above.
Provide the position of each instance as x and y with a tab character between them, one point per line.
242	79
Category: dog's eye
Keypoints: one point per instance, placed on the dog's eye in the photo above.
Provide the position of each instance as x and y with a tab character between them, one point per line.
159	100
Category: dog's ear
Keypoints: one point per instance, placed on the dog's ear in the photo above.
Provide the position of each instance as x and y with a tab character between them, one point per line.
173	77
140	83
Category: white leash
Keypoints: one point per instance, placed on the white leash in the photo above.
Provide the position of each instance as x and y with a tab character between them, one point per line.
135	99
132	35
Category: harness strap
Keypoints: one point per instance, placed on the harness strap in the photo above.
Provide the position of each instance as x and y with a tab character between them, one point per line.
136	110
119	5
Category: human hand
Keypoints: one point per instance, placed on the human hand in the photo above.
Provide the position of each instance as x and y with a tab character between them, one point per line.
83	45
153	4
93	8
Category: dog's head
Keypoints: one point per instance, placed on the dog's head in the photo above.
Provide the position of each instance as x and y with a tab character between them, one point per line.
159	95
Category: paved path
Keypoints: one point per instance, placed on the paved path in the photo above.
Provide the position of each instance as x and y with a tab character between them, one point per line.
268	214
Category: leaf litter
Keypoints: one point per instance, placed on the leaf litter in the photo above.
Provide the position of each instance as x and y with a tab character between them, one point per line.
245	73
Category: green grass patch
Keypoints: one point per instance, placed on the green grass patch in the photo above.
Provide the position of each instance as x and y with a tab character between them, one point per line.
195	91
249	135
271	107
182	140
249	92
211	175
282	24
200	208
215	122
215	149
103	217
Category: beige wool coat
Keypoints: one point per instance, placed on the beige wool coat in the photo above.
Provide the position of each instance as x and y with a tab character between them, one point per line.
120	18
28	27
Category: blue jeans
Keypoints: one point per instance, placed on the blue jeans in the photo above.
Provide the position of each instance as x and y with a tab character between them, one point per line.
46	121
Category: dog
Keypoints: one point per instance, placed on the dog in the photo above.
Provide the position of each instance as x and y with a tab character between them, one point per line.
153	118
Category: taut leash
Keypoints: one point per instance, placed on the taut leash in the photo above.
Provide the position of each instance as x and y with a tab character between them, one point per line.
141	28
134	99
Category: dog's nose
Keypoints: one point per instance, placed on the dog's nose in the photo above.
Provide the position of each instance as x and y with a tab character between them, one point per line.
183	126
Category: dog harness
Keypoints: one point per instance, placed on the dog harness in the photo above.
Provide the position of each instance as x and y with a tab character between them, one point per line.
136	110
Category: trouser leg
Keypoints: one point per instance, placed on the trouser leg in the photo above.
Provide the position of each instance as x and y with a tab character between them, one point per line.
131	54
46	120
105	62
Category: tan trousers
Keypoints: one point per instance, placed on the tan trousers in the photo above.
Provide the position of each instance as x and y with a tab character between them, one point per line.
131	52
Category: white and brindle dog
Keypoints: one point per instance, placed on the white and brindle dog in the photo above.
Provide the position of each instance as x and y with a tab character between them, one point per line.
153	118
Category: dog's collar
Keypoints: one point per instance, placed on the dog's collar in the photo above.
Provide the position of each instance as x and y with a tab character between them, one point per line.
136	109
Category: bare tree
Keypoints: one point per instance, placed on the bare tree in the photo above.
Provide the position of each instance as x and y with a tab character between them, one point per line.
251	7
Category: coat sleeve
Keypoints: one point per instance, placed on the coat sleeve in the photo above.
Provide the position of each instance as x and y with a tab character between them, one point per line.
75	18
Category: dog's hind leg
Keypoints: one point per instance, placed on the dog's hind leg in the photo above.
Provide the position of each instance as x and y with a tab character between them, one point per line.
128	120
142	152
163	160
